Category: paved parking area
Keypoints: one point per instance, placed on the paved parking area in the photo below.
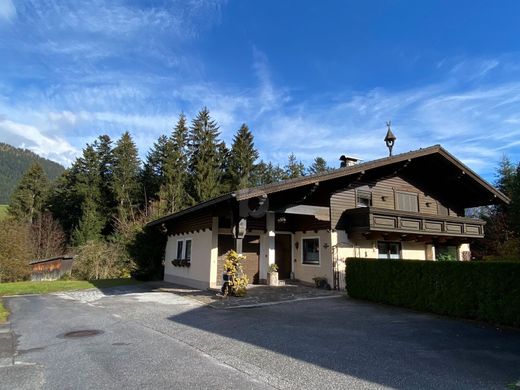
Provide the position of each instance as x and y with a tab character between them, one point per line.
162	340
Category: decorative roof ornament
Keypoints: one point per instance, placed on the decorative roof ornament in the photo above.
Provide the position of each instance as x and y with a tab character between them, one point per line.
390	138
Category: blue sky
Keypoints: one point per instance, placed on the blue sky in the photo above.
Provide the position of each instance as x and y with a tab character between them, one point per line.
317	78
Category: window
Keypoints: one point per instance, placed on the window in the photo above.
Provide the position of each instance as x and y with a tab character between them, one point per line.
187	254
364	198
389	250
184	249
446	252
180	246
407	201
311	251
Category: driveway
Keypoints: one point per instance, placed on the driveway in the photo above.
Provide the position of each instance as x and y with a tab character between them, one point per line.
161	340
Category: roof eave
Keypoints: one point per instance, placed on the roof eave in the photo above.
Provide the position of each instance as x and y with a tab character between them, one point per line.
192	209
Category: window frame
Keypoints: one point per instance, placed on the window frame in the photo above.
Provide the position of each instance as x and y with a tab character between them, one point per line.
313	264
183	242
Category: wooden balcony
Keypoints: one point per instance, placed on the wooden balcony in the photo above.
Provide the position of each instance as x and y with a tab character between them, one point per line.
370	219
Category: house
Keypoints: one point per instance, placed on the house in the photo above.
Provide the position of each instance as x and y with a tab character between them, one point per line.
407	206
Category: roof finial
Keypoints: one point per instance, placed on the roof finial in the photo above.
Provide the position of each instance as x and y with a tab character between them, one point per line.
390	138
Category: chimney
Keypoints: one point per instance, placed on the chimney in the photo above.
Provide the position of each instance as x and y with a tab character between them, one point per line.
347	161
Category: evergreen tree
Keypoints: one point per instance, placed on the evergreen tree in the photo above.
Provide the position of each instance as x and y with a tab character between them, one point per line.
267	173
242	159
505	176
514	216
28	199
126	186
318	166
205	160
174	166
105	156
152	175
502	233
294	168
85	189
90	225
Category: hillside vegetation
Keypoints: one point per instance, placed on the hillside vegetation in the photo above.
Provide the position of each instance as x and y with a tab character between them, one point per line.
14	162
3	211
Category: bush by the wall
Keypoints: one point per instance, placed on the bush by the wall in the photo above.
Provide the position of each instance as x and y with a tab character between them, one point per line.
487	291
147	251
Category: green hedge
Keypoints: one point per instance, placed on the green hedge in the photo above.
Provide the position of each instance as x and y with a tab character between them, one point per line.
487	291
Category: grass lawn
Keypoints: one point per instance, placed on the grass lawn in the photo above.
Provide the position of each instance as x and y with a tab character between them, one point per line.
17	288
3	211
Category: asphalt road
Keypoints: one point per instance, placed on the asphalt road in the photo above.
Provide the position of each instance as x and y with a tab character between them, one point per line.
155	340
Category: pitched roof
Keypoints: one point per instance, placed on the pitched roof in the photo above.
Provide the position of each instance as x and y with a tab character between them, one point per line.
267	189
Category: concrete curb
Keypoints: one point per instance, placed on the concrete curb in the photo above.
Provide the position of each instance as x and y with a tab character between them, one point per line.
274	303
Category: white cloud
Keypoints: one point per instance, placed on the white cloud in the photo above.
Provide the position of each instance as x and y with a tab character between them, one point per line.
54	148
7	10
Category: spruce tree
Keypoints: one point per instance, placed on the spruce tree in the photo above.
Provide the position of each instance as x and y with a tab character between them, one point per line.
174	166
205	158
319	165
152	175
126	184
267	173
105	156
90	225
86	188
294	168
242	159
28	199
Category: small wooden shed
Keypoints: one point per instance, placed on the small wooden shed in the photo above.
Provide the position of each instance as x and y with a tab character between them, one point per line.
51	269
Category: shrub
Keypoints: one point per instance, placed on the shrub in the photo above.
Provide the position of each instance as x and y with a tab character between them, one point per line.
238	280
487	291
15	251
146	248
101	260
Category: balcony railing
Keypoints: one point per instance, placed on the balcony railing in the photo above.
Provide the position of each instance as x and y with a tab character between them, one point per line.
370	219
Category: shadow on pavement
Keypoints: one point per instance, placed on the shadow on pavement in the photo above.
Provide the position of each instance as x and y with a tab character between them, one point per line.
380	344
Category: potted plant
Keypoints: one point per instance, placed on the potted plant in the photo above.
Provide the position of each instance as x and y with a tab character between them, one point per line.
272	275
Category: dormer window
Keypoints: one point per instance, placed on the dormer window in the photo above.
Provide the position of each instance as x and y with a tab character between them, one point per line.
364	198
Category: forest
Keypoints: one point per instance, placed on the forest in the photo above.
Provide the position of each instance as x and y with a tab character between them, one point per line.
14	162
99	207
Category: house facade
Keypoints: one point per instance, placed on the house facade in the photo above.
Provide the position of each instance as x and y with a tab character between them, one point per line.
408	206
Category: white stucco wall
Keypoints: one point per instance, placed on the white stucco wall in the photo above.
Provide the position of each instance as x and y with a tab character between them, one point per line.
411	250
305	272
203	266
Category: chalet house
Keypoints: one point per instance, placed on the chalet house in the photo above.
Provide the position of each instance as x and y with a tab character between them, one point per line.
407	206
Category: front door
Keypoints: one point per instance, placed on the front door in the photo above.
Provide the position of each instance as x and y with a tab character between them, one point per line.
283	254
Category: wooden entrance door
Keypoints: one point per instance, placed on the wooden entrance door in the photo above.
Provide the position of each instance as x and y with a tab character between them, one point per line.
283	254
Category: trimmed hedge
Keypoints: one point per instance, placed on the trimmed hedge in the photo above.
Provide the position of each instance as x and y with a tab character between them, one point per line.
486	291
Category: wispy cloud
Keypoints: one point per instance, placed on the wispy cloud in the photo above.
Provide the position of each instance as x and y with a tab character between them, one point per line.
78	70
7	10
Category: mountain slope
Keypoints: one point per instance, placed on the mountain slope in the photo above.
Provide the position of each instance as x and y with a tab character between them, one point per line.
14	162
